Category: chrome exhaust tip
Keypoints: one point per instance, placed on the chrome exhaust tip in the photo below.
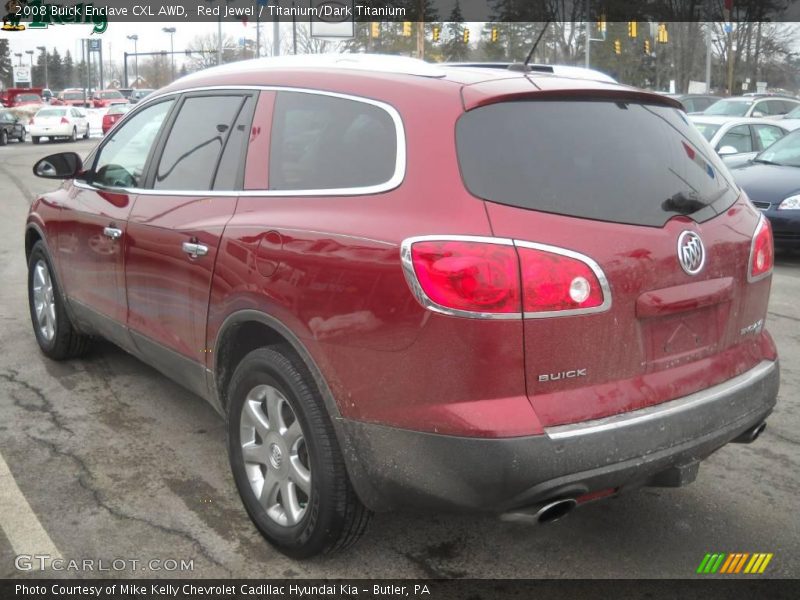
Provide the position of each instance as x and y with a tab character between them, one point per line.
542	513
751	435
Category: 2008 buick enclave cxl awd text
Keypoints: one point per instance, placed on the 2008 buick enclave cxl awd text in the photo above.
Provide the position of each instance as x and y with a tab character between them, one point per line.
419	285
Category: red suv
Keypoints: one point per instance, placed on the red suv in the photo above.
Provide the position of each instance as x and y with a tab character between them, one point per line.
408	285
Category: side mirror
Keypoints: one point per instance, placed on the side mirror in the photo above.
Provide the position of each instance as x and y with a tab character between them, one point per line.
727	151
64	165
758	114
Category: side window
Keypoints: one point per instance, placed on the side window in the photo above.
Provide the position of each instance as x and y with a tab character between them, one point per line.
195	142
121	160
766	135
323	142
772	108
739	138
231	165
788	106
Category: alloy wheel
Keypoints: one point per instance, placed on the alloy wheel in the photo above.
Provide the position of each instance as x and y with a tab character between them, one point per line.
44	300
275	455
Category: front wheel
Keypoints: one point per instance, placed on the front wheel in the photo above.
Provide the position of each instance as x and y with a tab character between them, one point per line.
35	139
3	137
51	325
285	457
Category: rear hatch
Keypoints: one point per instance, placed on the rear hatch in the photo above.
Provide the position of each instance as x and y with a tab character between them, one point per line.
49	118
618	179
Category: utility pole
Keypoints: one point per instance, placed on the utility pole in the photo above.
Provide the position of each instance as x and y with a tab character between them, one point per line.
421	30
171	32
708	58
588	34
135	39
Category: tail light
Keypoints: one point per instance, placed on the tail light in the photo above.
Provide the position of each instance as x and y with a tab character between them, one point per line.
464	277
762	252
502	279
64	121
557	282
30	121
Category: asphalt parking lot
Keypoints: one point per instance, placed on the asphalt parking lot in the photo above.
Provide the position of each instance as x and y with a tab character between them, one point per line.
103	458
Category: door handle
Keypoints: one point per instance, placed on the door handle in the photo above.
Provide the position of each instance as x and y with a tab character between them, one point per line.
112	232
194	249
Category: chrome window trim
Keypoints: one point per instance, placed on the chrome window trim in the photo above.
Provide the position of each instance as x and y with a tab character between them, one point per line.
618	422
589	262
761	223
400	160
424	299
428	303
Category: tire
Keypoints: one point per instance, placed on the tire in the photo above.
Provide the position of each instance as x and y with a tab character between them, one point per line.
3	137
74	136
54	332
22	136
329	516
35	139
86	135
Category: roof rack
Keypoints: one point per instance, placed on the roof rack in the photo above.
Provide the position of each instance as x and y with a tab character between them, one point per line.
557	70
383	63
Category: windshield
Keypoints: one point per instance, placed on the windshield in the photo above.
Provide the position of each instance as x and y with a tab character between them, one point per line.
707	129
28	98
729	108
73	96
623	162
786	151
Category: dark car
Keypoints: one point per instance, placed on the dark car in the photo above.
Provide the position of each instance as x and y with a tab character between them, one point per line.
138	95
11	127
772	181
414	285
696	103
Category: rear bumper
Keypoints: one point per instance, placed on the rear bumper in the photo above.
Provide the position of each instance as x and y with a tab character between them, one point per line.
393	468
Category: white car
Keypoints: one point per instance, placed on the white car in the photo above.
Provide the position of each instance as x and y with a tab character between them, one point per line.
59	121
792	120
738	140
767	107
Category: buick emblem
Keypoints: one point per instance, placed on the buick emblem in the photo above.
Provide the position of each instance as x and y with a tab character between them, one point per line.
691	253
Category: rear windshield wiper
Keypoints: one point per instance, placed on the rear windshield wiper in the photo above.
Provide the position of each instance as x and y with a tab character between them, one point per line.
683	204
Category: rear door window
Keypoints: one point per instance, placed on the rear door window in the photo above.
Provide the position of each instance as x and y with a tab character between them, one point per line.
621	161
766	135
195	142
321	142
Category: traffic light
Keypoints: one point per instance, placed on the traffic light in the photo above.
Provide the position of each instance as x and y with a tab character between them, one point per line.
375	29
632	29
663	35
601	24
466	36
406	28
647	47
437	33
495	34
617	47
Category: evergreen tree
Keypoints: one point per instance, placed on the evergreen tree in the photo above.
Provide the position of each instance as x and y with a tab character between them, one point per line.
55	70
455	48
67	72
6	68
37	74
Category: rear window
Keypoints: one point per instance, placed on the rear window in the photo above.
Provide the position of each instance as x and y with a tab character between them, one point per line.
111	95
623	162
52	112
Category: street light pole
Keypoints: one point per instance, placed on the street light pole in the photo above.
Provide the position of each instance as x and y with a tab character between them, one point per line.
135	39
30	54
171	32
46	78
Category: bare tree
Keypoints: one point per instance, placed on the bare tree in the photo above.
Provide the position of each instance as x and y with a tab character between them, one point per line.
203	51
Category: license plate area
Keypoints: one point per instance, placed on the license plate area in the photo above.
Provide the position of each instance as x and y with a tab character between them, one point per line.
672	340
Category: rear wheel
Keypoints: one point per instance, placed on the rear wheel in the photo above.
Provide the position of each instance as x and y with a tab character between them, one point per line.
22	135
54	332
86	134
3	137
74	136
286	460
35	139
